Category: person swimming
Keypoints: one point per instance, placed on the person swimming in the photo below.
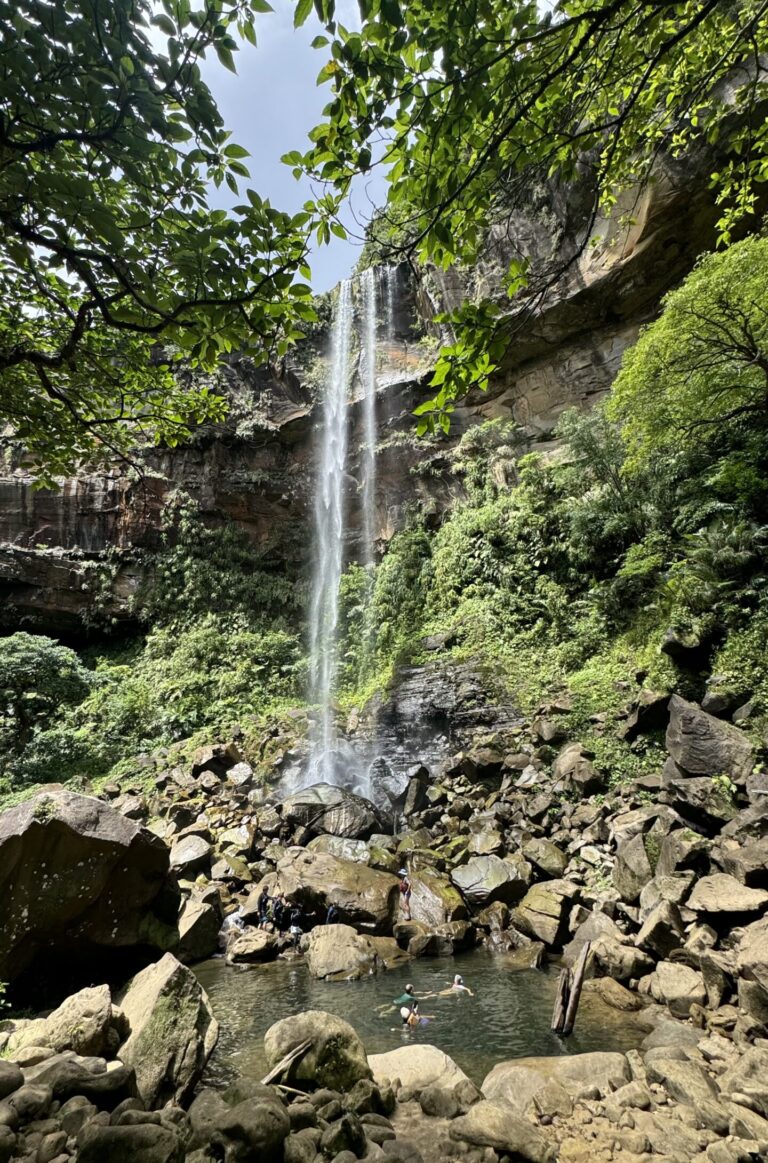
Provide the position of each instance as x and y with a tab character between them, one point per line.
456	986
405	998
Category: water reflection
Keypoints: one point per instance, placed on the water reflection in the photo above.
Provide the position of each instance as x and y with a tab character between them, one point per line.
508	1017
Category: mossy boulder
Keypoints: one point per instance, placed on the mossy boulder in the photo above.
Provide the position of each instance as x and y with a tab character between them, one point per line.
172	1031
336	1058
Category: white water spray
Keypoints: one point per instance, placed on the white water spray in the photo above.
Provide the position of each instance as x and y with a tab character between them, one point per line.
329	543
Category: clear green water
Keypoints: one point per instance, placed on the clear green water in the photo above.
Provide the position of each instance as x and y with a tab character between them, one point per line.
509	1016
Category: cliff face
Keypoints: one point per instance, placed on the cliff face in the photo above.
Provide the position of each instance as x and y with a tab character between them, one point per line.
584	307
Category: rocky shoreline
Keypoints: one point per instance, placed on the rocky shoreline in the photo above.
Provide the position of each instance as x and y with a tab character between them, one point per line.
519	842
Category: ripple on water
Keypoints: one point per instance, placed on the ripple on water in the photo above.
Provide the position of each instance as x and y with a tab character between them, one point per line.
508	1017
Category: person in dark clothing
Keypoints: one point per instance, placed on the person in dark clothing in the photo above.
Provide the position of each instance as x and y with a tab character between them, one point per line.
331	915
295	927
262	905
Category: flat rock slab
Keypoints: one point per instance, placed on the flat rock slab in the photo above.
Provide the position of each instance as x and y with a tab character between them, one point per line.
417	1066
722	893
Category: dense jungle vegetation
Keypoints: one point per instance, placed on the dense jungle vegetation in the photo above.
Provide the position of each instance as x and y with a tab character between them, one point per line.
646	529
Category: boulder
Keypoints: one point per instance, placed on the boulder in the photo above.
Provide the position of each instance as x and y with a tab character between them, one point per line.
173	1031
544	910
632	869
416	792
76	875
573	766
218	758
550	860
199	924
678	987
338	952
312	880
488	1125
82	1023
703	745
190	855
417	1067
253	1129
698	799
342	848
721	893
484	879
748	1076
662	930
752	968
336	1059
748	863
325	808
517	1081
250	947
434	900
142	1143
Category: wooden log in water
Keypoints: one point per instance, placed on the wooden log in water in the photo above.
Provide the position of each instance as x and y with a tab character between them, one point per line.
287	1061
578	980
561	1001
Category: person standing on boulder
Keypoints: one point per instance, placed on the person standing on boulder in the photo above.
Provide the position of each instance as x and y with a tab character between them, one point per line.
405	893
262	905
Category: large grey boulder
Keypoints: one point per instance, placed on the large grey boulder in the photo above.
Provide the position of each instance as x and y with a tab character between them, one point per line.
721	893
515	1082
338	952
699	799
363	896
544	910
82	1023
632	870
574	767
142	1143
677	986
748	863
172	1031
487	1124
434	900
251	946
336	1058
75	874
484	879
253	1129
417	1067
191	855
325	808
703	745
749	1076
199	924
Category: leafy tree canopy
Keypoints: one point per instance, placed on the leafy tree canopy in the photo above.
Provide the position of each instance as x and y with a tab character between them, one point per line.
703	364
462	103
38	677
110	248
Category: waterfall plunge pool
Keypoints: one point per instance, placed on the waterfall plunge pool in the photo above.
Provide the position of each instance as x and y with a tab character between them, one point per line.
509	1016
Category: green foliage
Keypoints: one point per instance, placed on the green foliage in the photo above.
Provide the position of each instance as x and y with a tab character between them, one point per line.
38	679
109	144
702	367
468	107
203	568
211	673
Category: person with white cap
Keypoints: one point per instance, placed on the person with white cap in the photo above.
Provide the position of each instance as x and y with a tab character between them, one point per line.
456	986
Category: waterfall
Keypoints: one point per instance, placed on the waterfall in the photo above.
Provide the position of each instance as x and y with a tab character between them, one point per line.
329	542
368	457
390	289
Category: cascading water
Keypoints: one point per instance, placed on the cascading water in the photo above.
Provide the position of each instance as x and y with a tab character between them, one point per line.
329	544
368	459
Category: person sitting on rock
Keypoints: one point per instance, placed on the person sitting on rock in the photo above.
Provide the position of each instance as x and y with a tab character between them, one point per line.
405	893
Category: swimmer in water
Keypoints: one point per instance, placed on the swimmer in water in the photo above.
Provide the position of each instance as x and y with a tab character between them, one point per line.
457	986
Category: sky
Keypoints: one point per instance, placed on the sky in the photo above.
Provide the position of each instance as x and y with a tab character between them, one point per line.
270	106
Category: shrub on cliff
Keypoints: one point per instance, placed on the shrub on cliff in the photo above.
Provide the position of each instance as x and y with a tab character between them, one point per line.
39	678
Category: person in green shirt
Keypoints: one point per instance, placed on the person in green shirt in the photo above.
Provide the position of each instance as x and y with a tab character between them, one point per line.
406	998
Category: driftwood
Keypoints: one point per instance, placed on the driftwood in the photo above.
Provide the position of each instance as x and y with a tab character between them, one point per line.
561	1001
568	995
287	1061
